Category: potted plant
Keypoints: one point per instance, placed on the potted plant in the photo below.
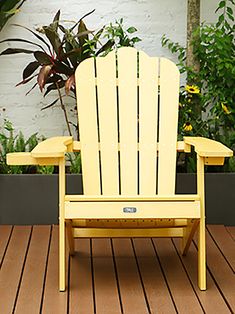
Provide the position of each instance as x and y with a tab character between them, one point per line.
29	183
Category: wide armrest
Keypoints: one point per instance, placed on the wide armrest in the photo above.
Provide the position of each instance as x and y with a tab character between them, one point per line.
47	152
205	147
53	147
20	159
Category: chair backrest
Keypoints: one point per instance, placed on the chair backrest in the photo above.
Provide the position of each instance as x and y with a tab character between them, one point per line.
127	111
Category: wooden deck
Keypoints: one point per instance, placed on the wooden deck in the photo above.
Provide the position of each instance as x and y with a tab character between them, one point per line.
114	275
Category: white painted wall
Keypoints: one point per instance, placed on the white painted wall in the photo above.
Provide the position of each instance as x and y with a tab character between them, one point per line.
152	18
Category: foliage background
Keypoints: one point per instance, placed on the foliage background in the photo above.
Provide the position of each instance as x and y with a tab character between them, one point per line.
152	19
51	122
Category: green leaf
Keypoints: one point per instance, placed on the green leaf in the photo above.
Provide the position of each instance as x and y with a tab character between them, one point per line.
131	30
221	18
42	57
73	57
85	15
36	35
24	81
54	78
10	51
56	19
109	44
51	104
21	40
30	68
83	34
53	86
8	5
60	67
7	9
231	18
54	39
99	33
73	52
82	38
31	88
229	10
136	40
222	4
32	141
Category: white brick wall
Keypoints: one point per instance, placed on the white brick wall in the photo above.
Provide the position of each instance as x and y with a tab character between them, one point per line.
152	18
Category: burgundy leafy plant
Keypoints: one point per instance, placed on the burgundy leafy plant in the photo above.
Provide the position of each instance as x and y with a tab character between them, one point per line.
59	50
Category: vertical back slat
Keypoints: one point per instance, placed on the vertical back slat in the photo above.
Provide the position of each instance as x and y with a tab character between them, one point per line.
127	96
148	108
108	126
87	118
168	122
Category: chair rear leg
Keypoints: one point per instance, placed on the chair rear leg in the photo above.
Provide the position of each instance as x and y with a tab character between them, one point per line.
70	236
189	232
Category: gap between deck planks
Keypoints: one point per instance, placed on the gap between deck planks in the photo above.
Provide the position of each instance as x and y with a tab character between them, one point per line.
114	275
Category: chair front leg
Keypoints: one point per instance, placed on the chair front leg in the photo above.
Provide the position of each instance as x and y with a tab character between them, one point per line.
202	225
61	225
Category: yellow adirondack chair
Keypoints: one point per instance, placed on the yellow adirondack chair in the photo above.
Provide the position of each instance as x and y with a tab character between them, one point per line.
128	115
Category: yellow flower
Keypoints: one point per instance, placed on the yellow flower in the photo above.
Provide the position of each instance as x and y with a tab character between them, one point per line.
225	108
193	89
187	127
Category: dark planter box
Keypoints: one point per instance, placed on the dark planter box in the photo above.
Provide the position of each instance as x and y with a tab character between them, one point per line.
33	199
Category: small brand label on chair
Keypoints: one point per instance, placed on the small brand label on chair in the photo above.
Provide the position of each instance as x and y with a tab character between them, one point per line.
129	210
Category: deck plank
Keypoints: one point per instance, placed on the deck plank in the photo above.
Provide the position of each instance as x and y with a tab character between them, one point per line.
211	298
81	290
155	286
150	275
221	272
12	266
231	230
53	300
106	289
224	241
178	281
30	293
5	232
132	295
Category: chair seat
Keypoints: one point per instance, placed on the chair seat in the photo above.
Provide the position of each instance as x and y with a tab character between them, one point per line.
133	209
128	198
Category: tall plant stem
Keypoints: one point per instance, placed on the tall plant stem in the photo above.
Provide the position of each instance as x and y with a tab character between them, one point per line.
193	22
64	109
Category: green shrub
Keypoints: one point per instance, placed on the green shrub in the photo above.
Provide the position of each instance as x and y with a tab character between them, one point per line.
211	111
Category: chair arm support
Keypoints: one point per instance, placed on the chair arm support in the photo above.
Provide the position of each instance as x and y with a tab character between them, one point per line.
76	146
47	152
205	147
